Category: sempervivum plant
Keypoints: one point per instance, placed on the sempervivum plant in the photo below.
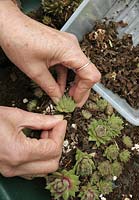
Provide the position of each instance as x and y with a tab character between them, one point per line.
89	192
115	124
105	187
66	105
127	141
99	132
125	156
112	152
105	168
65	184
116	168
102	131
84	164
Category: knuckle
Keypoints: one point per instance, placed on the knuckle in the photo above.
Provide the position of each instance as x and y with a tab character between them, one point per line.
8	172
35	74
16	158
55	165
72	37
95	78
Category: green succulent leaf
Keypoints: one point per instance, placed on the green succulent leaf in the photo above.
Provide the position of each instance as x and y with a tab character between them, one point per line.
63	184
84	164
89	192
66	105
115	124
127	141
31	106
116	168
112	152
125	156
98	132
95	178
86	114
101	104
105	168
105	187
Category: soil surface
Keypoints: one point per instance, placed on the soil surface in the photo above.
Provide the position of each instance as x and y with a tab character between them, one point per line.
15	86
117	59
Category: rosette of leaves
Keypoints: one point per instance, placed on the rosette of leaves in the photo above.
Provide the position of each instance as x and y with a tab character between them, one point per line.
101	104
115	124
105	168
89	192
127	141
64	184
95	178
86	114
116	168
66	105
105	187
84	164
99	132
124	156
112	152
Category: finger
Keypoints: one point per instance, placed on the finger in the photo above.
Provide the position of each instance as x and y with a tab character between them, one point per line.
44	135
30	177
58	133
84	99
36	168
61	77
38	121
46	81
88	75
43	149
74	85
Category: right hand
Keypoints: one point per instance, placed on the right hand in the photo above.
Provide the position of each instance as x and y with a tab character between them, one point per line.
23	156
34	48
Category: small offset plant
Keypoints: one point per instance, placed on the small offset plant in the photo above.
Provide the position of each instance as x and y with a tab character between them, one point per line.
101	104
65	184
125	156
116	168
127	141
102	131
89	192
105	187
86	114
95	178
66	105
105	168
112	152
84	164
116	125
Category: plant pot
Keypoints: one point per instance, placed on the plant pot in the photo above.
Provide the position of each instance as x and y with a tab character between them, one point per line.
82	22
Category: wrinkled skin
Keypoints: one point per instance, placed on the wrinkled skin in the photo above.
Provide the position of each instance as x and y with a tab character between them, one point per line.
34	48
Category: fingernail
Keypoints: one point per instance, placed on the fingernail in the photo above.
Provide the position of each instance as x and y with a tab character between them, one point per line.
56	100
60	117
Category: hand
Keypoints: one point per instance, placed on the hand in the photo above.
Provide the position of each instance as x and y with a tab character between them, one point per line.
23	156
34	48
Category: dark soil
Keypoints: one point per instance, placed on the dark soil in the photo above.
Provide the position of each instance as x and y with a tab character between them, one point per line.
117	59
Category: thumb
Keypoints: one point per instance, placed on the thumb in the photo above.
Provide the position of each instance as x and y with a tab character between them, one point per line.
58	133
39	121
